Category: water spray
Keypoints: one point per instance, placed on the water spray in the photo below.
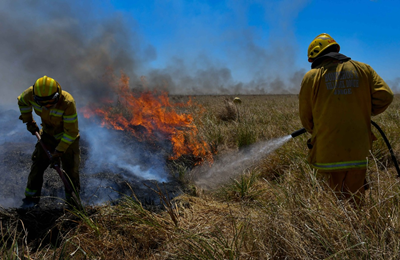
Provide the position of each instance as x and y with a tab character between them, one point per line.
396	165
228	166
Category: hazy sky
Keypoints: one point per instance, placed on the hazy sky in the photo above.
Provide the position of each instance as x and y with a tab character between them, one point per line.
188	47
367	30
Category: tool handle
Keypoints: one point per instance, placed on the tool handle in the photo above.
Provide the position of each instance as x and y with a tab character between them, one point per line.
43	146
56	166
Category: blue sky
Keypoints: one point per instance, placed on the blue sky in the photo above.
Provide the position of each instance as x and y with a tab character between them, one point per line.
366	30
188	47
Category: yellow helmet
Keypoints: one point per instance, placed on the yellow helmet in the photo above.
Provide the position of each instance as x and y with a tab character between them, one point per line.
237	100
46	91
319	44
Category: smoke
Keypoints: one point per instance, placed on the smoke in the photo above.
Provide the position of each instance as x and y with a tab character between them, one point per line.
114	151
394	85
11	129
213	58
71	42
76	42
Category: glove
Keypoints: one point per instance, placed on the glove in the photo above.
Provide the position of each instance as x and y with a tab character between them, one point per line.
55	158
32	127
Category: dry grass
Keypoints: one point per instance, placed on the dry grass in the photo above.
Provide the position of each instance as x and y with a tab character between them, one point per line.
278	209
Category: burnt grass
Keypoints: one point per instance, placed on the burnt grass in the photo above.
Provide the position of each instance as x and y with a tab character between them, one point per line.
50	221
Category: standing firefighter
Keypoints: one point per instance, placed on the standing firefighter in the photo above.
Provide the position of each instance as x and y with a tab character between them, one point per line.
338	96
59	133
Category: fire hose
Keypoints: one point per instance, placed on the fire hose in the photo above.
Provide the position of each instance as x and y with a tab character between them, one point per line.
396	165
61	173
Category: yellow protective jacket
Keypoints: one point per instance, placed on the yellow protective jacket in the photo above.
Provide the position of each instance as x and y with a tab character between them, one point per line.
336	102
60	121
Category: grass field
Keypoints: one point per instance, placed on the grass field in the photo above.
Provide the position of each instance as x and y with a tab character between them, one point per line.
278	208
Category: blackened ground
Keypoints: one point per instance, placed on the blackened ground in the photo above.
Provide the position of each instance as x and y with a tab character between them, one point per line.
96	188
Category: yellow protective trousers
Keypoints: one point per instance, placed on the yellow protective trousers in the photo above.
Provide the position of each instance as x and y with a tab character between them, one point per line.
348	184
70	162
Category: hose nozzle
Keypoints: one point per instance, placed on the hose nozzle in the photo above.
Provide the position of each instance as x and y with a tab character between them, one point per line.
298	132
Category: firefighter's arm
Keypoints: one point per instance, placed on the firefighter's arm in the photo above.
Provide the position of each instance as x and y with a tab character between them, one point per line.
381	94
71	130
305	103
25	107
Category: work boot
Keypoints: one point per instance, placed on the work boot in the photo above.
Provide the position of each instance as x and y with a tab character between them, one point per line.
28	203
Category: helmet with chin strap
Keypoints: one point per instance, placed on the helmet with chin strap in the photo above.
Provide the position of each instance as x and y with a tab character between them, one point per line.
46	91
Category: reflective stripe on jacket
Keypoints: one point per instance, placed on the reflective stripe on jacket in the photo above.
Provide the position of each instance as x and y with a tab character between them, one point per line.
60	121
336	102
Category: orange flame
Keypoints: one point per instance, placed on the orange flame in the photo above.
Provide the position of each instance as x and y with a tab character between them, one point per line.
149	115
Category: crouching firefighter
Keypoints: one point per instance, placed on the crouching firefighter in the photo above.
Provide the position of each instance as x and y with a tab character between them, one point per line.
59	134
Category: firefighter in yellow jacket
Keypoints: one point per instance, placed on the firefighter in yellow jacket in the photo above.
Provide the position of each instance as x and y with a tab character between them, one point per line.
338	96
59	132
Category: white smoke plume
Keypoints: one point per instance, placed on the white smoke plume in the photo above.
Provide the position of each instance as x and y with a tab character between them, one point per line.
111	150
394	85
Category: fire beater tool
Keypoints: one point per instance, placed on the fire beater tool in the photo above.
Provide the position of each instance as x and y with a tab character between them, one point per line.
396	165
61	173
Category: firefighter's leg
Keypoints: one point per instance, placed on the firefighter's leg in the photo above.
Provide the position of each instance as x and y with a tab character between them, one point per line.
336	182
35	179
349	185
353	185
70	163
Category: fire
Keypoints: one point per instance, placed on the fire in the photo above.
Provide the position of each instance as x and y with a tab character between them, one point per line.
150	116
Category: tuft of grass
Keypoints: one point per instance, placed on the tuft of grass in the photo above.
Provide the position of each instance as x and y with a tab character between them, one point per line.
245	136
243	188
229	112
218	245
13	241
